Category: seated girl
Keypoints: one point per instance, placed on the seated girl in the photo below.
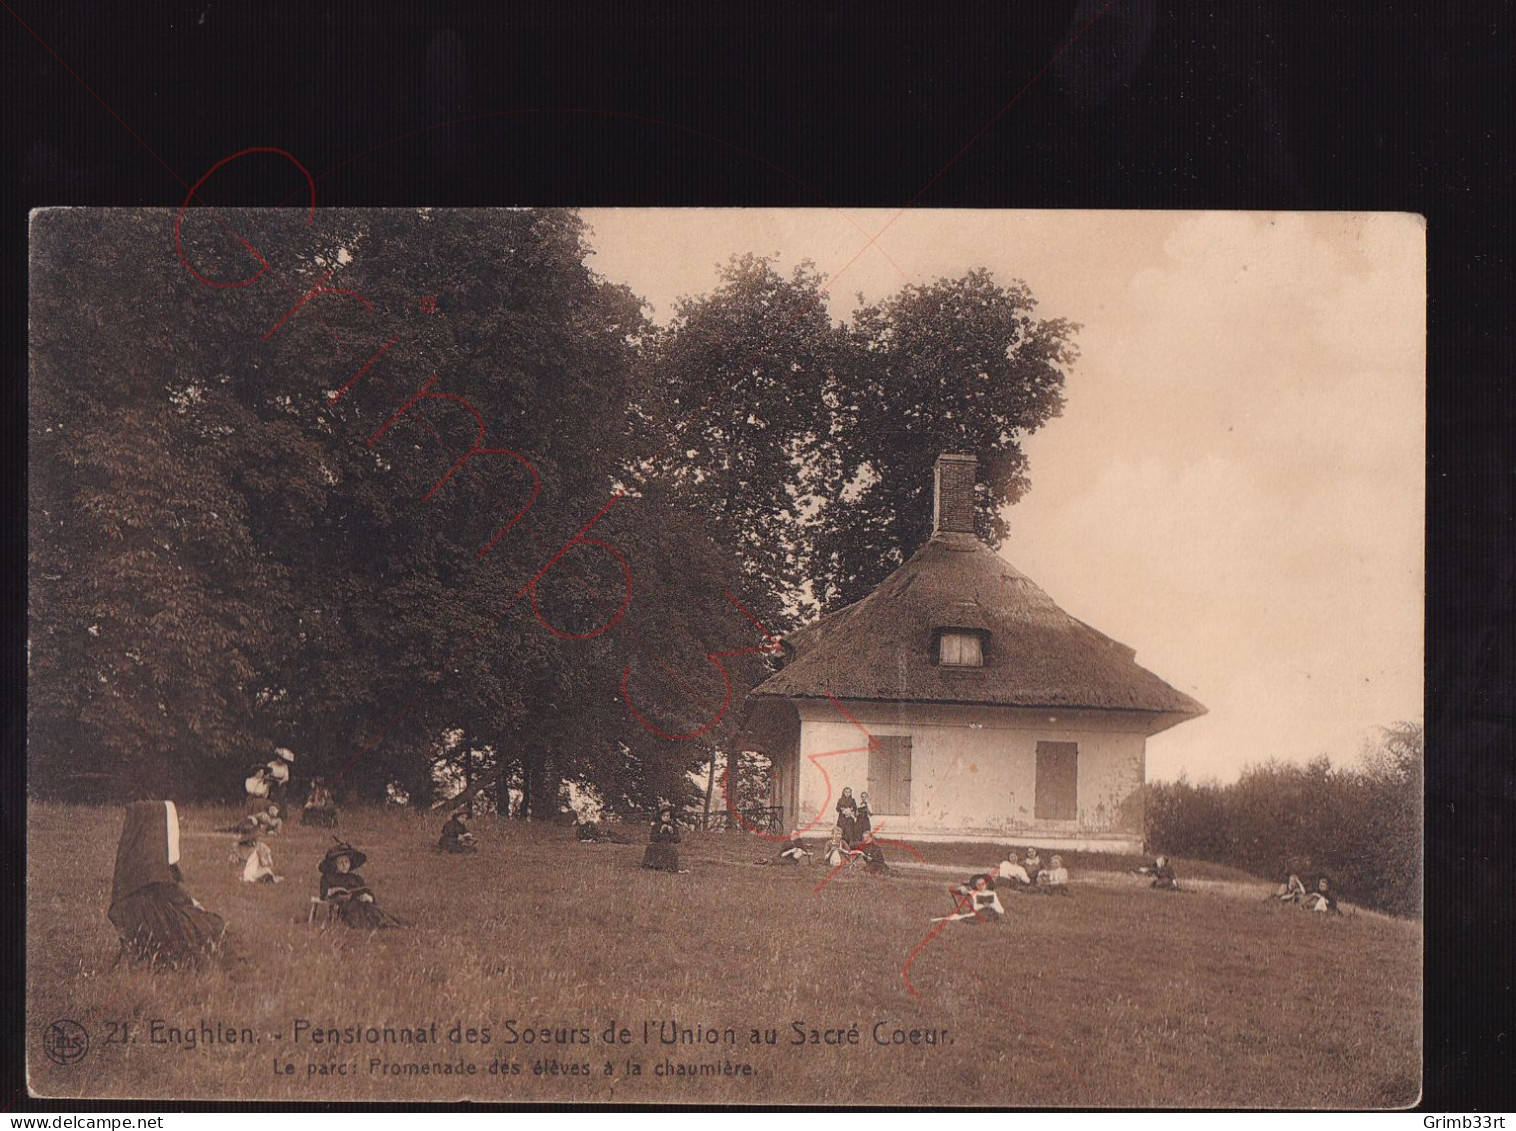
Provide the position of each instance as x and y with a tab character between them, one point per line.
836	851
794	852
261	822
1163	874
158	921
1291	891
456	836
341	884
1321	900
320	807
1032	864
661	855
1010	869
975	900
1054	879
256	860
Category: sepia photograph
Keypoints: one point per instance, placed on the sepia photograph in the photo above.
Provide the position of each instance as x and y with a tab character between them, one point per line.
762	656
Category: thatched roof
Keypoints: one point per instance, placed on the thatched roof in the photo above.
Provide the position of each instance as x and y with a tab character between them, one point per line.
882	647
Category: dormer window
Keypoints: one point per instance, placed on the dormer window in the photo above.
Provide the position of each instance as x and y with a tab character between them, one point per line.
959	649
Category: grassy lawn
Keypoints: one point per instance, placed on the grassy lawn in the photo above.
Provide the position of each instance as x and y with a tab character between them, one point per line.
1114	996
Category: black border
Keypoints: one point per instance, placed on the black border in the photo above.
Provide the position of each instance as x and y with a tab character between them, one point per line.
1342	106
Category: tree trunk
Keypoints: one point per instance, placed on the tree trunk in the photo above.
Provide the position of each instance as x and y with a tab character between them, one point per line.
710	790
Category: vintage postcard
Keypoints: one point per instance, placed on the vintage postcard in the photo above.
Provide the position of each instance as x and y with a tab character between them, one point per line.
815	657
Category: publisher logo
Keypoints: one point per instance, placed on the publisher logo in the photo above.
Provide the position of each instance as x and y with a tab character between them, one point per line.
65	1042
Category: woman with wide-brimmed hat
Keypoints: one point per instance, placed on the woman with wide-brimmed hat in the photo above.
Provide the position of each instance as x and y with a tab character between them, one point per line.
341	884
278	768
158	921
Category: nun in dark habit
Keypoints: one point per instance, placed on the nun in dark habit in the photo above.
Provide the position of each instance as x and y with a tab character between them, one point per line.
158	921
341	884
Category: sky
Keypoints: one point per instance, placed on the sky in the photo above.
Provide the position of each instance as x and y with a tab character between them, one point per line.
1236	486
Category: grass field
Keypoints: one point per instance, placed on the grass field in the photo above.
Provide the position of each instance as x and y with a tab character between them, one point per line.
1114	996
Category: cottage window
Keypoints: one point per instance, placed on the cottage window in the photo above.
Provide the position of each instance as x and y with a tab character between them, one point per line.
960	650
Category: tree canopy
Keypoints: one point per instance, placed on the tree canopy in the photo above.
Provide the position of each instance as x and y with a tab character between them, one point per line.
428	483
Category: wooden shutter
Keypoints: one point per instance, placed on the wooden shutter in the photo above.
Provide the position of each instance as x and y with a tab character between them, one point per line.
890	775
1057	781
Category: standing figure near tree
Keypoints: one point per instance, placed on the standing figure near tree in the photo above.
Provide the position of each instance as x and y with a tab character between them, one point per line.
158	921
661	855
279	775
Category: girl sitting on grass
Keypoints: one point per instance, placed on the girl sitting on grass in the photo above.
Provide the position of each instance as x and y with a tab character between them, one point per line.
1163	875
1011	870
661	855
256	861
456	837
836	850
794	852
342	885
320	807
1321	900
1054	879
1291	891
975	901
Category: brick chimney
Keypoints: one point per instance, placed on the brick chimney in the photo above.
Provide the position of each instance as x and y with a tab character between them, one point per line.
953	498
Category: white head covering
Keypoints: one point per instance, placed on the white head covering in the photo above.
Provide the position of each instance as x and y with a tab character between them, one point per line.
172	815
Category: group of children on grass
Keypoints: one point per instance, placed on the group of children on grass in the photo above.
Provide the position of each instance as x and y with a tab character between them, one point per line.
158	922
977	899
1321	901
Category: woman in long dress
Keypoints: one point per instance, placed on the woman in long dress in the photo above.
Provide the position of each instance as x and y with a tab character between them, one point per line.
279	774
847	817
341	884
863	824
661	855
158	921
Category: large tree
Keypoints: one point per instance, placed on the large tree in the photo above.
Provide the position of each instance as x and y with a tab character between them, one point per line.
811	442
314	509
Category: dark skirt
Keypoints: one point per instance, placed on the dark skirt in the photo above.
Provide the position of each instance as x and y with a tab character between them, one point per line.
320	818
453	844
161	924
363	915
661	857
849	827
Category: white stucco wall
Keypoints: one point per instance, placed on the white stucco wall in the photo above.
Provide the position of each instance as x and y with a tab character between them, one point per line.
974	769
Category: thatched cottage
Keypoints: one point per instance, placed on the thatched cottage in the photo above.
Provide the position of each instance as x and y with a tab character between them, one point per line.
965	702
